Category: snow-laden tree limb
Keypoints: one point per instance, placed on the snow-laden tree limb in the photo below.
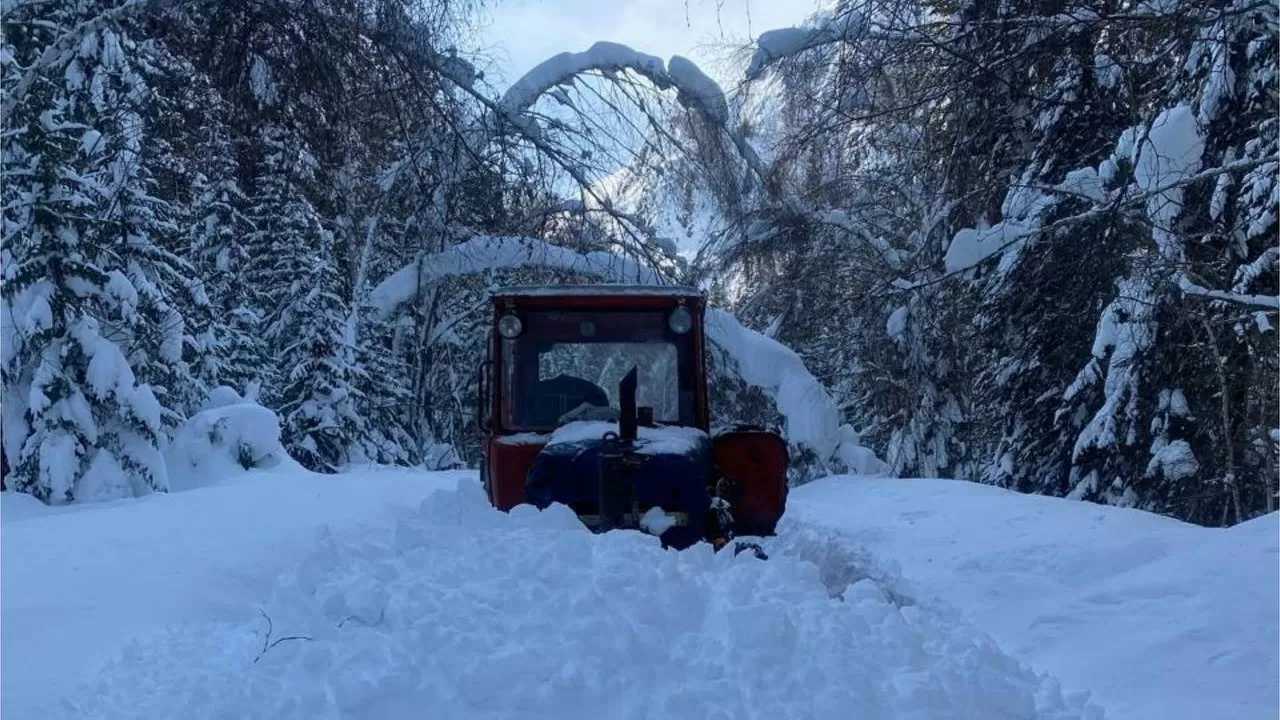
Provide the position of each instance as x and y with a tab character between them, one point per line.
1262	302
563	68
696	91
60	51
488	252
776	45
995	240
812	416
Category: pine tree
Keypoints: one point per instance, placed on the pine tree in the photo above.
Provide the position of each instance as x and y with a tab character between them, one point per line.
90	355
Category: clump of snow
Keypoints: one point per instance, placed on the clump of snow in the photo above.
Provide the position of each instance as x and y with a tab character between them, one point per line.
857	459
971	246
1107	71
262	81
223	441
698	90
1174	460
656	521
1170	153
1174	402
1084	182
465	612
897	322
221	396
456	69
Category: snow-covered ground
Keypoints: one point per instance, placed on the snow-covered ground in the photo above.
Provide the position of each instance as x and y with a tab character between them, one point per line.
420	601
78	581
1157	618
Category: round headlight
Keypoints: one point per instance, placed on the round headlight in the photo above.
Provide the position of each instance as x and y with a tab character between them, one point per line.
509	326
681	320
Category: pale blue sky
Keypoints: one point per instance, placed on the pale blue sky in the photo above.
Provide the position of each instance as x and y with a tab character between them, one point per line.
521	33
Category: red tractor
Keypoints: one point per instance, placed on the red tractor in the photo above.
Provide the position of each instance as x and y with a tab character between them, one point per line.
596	397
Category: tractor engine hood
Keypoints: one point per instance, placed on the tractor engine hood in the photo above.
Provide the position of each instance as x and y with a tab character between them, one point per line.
664	466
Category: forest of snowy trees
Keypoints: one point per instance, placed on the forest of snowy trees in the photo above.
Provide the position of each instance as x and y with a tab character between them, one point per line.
1032	244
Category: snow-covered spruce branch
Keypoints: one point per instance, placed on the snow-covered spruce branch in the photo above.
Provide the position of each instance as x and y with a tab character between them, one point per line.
1262	302
58	52
1120	202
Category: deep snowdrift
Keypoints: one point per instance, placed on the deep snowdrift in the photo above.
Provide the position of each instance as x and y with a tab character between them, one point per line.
77	581
1158	618
457	611
444	608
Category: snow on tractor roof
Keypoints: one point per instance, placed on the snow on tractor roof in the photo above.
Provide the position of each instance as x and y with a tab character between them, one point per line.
598	290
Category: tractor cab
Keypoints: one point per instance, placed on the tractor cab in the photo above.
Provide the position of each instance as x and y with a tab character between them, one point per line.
596	397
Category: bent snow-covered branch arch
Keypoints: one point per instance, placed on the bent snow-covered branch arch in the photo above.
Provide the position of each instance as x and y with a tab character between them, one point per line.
812	418
695	90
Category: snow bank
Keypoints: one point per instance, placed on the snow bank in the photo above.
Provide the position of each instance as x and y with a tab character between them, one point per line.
81	580
464	612
1158	618
226	439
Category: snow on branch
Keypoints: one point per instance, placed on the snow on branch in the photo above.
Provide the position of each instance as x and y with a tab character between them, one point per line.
696	90
1166	161
488	252
61	50
812	417
563	68
776	45
1263	302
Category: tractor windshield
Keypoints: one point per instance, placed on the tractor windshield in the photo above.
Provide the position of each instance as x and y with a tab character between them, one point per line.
566	365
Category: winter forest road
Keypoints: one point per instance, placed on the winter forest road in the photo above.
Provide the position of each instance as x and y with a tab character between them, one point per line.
161	608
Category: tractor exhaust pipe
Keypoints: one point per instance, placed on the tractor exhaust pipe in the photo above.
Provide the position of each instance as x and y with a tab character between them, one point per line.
627	419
